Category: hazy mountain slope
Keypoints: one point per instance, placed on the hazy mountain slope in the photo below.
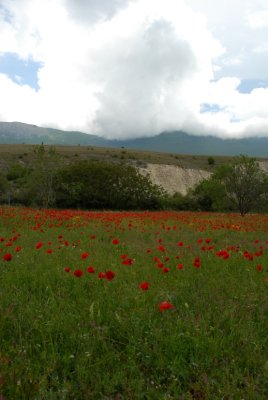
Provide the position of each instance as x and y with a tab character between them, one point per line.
171	142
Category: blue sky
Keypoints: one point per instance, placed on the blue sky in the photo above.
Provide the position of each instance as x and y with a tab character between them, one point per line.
23	72
133	68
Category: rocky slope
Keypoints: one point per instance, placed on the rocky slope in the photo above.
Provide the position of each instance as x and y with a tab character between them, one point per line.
174	179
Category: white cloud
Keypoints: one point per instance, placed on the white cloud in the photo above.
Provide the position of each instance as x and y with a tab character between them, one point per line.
128	68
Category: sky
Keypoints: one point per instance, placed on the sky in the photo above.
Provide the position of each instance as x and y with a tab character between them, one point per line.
135	68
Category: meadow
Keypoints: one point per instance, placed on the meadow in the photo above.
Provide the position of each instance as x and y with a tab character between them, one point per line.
133	305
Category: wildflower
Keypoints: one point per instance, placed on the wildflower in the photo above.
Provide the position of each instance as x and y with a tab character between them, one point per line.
7	257
78	273
18	248
144	286
84	255
101	275
39	245
165	270
180	266
67	269
109	275
165	305
91	269
115	241
259	268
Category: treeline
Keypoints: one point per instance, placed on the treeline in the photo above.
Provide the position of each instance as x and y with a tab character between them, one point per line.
49	182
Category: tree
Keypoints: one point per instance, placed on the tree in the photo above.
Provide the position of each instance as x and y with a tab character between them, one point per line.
101	185
244	183
241	186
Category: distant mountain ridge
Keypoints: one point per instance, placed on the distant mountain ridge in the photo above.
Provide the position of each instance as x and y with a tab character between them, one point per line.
170	142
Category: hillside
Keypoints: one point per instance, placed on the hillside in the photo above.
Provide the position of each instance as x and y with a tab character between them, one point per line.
175	142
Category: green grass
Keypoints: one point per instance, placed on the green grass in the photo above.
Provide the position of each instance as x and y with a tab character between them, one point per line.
64	337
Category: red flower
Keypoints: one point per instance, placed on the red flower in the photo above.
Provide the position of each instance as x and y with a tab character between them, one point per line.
109	275
115	241
144	286
165	270
39	245
128	261
180	244
180	266
91	269
161	248
7	257
123	256
84	255
165	305
259	268
18	248
78	273
101	275
67	269
49	251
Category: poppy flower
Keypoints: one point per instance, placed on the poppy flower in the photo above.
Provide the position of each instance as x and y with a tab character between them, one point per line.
165	270
165	305
115	241
109	275
144	286
84	255
18	248
91	269
78	273
39	245
259	268
67	269
180	244
180	266
101	275
7	257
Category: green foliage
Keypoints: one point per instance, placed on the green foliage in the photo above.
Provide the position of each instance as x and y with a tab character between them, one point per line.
211	161
238	186
100	185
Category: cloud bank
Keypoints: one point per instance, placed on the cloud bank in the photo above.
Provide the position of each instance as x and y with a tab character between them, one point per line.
134	68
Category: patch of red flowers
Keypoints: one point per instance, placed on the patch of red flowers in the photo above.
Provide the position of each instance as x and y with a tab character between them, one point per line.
91	269
39	245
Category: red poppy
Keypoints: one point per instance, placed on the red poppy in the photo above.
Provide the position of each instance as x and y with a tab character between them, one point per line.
165	305
49	251
101	275
18	248
7	257
180	266
180	244
165	270
91	269
144	286
123	256
259	268
39	245
109	275
78	273
67	269
84	255
115	241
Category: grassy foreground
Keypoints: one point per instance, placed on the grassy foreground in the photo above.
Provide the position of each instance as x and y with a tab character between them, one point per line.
133	305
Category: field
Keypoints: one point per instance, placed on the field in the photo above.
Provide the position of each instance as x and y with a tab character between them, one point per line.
163	305
24	153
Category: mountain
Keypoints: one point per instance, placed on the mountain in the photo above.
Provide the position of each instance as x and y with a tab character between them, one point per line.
170	142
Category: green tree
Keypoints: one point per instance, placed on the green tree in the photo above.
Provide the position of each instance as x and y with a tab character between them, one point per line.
244	182
39	188
102	185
